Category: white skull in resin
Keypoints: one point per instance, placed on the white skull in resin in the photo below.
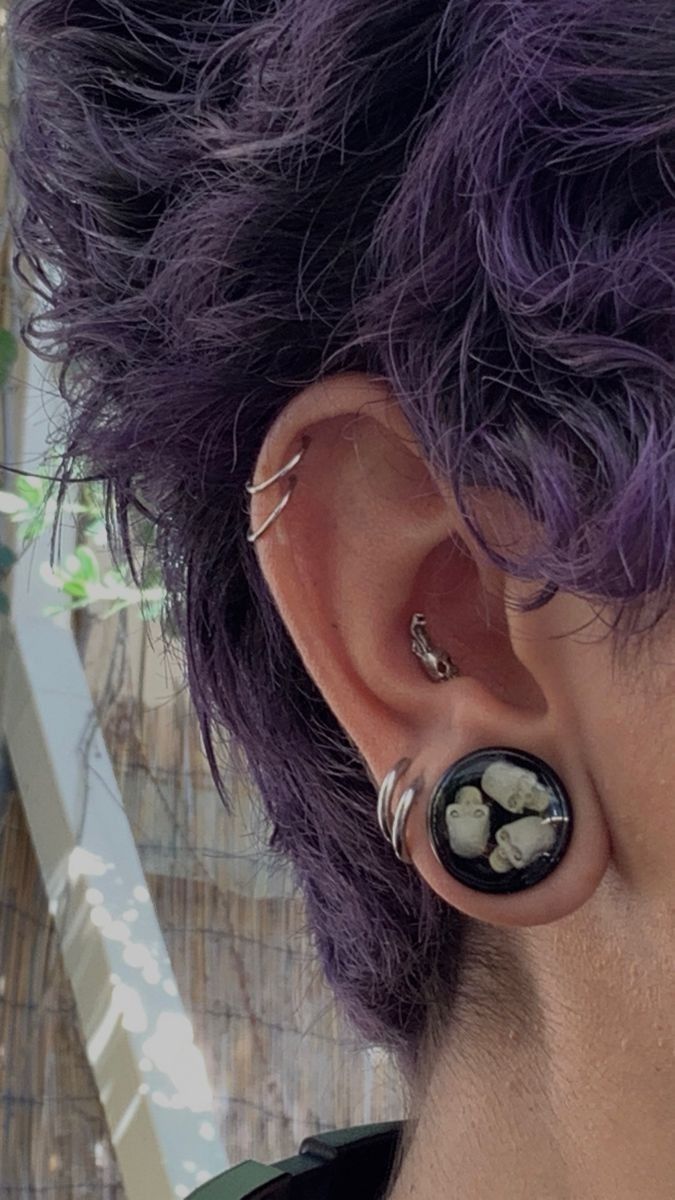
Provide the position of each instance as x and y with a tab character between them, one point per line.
514	788
520	842
468	823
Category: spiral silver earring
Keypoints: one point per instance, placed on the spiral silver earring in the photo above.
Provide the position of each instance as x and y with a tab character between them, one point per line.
499	820
282	473
394	831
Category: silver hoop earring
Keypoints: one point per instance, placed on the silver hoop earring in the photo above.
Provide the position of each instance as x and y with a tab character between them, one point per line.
394	829
499	820
254	488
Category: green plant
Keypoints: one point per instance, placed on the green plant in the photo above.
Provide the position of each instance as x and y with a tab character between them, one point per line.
81	579
8	352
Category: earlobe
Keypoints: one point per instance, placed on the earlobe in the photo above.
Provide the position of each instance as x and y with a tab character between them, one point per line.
362	540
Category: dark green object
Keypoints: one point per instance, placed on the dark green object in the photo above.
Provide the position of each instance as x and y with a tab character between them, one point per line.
356	1162
7	558
8	353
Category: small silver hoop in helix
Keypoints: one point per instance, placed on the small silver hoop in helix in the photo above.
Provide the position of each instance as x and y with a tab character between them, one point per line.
254	488
394	830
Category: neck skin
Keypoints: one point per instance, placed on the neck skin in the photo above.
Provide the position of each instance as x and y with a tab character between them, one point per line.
569	1094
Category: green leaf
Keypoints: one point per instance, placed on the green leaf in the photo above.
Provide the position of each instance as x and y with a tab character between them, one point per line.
33	490
4	604
8	353
89	568
75	588
33	529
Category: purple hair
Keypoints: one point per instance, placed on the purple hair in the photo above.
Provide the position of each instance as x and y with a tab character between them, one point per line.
221	202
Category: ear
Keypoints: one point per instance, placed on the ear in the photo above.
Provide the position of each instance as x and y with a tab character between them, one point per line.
368	538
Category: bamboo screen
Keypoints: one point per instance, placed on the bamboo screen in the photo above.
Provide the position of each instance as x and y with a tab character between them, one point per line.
279	1060
280	1063
277	1053
53	1140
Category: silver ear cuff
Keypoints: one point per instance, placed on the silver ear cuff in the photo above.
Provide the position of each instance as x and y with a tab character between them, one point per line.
254	488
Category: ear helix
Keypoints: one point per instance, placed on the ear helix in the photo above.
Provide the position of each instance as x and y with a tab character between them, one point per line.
499	819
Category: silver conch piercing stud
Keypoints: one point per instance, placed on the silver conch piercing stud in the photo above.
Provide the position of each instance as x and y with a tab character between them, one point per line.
254	488
437	663
499	820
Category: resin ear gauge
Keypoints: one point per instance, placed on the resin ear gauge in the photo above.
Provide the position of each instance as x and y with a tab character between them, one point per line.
499	819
